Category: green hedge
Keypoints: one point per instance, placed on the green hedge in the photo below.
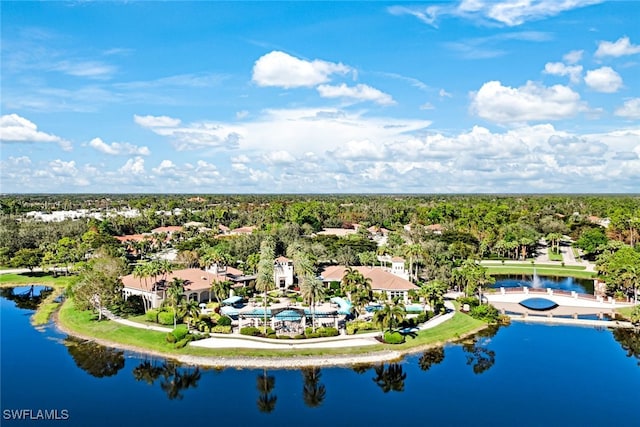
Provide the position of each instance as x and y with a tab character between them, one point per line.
485	312
354	327
152	316
224	321
219	329
171	338
393	337
165	318
251	331
180	332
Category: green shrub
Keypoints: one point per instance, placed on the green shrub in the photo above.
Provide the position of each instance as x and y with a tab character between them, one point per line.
328	332
299	337
251	331
393	337
485	312
224	321
165	318
218	329
472	301
358	326
423	317
152	316
170	338
312	335
180	344
180	332
284	337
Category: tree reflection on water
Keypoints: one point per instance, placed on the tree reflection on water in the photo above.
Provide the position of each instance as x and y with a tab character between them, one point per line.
390	378
313	392
629	339
479	356
95	359
28	298
173	378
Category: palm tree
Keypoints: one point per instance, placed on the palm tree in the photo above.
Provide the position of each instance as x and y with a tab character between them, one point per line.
389	315
192	310
312	289
141	271
350	280
265	281
433	293
413	252
175	293
220	288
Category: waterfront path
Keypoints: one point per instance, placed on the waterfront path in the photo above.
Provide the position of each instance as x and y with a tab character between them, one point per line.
572	322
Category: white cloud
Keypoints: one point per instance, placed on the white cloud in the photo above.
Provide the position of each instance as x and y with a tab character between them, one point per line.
518	12
358	150
510	12
279	158
573	57
427	106
620	47
283	70
156	121
118	148
559	69
294	130
359	92
531	102
630	109
201	80
444	94
242	114
89	69
133	166
14	128
603	79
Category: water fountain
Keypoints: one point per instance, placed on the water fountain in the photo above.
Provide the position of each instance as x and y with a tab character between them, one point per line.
536	283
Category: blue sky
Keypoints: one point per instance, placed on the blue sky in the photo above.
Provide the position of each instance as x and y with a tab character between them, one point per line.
521	96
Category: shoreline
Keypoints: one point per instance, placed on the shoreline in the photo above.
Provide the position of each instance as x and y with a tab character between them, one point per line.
282	362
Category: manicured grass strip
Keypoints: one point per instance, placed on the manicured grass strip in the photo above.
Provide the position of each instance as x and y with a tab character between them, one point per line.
555	257
458	326
83	322
520	264
625	311
558	271
10	280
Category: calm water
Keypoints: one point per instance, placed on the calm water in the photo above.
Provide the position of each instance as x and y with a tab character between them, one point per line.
561	283
521	375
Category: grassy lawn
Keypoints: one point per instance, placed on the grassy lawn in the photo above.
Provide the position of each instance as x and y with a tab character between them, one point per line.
47	307
520	264
84	323
540	270
625	312
10	280
459	325
555	256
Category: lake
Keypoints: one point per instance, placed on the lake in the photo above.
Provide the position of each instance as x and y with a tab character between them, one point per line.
523	374
584	286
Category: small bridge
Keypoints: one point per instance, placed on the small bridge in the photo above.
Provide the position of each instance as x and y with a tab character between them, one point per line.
562	298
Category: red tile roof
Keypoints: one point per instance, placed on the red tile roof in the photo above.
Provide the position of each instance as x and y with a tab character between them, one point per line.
381	280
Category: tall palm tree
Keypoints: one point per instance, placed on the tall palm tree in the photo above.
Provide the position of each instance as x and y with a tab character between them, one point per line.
265	281
389	315
141	271
413	252
175	294
192	311
312	289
